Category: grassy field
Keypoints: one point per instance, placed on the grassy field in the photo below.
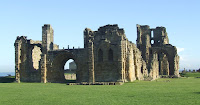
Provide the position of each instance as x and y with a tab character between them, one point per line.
190	74
181	91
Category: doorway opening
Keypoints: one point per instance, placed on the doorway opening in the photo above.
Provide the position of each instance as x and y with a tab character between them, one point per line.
70	70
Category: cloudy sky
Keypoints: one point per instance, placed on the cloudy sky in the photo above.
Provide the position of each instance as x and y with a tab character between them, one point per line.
70	17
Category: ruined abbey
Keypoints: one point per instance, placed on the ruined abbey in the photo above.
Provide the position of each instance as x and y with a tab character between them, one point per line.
107	56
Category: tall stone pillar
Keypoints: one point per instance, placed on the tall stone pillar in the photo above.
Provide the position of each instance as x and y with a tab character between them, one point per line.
91	62
131	69
89	45
176	65
17	61
144	42
47	45
43	69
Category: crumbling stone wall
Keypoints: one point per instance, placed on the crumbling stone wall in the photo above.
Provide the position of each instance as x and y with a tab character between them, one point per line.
115	58
151	41
107	56
27	57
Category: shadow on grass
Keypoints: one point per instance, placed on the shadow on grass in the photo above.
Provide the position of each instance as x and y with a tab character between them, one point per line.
7	79
70	81
65	82
11	79
130	96
197	92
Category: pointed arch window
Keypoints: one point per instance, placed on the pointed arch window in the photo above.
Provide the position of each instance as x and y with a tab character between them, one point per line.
100	55
110	55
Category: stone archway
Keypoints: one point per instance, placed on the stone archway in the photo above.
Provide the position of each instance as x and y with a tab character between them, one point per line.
163	64
164	59
70	69
56	74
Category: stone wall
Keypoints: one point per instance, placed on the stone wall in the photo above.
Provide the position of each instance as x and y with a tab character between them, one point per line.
27	58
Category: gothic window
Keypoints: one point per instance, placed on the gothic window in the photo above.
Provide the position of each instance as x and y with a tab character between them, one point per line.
100	55
142	69
110	55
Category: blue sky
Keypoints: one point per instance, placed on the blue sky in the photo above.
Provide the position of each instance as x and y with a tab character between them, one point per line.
70	17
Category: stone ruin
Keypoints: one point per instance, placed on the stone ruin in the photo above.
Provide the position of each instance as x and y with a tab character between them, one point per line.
107	56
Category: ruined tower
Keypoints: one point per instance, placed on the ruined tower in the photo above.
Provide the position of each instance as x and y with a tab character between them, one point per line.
160	36
89	45
47	38
155	41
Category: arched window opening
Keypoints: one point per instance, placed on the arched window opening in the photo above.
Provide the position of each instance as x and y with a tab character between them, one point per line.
142	69
100	55
70	70
110	55
152	35
152	41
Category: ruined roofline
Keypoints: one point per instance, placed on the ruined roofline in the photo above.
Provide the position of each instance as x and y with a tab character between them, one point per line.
29	40
106	29
47	25
157	27
88	29
19	37
138	25
109	26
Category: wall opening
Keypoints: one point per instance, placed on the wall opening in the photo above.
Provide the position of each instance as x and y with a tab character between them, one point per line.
163	64
70	69
152	35
36	52
152	41
110	55
142	69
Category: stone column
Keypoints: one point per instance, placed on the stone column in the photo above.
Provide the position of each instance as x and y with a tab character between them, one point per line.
131	69
91	62
17	61
176	65
43	69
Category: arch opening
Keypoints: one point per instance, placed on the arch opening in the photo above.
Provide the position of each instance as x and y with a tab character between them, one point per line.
163	63
70	69
152	41
57	74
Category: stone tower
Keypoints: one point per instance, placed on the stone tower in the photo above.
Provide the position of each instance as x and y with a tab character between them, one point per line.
89	45
47	45
144	41
47	38
154	42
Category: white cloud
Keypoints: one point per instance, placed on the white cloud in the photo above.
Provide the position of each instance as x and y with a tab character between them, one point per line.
182	58
179	49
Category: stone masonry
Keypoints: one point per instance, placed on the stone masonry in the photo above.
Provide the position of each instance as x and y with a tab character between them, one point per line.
107	56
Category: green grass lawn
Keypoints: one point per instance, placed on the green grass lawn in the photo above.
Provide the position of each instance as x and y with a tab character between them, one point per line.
190	74
177	91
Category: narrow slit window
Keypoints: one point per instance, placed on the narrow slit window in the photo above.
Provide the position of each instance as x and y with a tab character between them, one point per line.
110	55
